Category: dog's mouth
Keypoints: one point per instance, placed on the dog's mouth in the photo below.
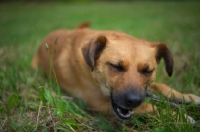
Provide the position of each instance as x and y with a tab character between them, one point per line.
121	113
124	114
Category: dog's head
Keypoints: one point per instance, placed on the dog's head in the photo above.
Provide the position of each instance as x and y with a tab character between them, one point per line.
124	67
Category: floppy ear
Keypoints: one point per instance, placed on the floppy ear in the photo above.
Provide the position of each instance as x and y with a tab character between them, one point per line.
92	51
164	52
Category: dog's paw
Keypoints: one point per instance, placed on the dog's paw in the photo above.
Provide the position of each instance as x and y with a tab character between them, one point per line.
193	99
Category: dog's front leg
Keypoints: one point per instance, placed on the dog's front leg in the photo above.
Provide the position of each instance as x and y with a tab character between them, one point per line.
101	105
145	108
173	94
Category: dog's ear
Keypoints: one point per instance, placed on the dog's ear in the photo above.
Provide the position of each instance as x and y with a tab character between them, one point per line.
92	51
164	52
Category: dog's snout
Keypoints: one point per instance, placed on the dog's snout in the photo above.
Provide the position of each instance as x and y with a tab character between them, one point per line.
132	99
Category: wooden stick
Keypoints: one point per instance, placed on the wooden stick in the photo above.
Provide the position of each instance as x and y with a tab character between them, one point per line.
157	99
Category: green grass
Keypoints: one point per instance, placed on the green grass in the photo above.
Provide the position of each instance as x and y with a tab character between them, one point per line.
31	102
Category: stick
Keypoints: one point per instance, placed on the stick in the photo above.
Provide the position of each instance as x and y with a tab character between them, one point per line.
157	99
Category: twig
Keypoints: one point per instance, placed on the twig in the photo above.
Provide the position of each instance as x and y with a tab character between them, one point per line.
51	64
157	99
51	117
3	123
39	109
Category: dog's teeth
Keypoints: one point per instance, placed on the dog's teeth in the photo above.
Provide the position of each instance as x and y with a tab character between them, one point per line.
131	112
125	115
118	110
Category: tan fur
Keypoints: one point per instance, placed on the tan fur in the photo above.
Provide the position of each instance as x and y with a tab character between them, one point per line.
83	61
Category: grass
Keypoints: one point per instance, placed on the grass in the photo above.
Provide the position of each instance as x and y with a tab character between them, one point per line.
31	102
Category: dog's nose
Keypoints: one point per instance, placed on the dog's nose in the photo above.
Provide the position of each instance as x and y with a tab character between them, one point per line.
133	100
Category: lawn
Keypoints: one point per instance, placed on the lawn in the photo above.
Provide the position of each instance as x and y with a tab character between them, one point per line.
29	101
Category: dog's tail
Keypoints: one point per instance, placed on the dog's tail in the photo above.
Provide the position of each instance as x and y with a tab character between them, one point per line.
35	62
83	25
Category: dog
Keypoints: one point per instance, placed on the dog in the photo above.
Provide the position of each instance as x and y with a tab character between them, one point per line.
109	70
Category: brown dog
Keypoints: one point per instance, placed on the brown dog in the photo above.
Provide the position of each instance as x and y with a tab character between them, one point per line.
109	70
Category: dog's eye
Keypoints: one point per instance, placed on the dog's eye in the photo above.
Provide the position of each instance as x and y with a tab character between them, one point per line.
147	72
117	67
